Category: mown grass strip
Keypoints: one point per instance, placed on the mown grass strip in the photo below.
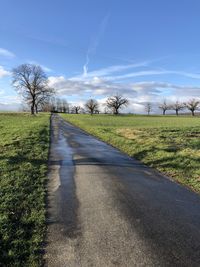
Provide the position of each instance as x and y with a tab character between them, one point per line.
168	143
24	145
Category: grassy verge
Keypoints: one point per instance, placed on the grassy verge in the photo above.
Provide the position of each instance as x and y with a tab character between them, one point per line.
170	144
24	147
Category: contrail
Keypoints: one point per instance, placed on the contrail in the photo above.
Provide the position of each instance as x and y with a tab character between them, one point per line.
94	43
85	67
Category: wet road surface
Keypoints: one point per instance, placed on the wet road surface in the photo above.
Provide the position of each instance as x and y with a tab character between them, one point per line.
106	209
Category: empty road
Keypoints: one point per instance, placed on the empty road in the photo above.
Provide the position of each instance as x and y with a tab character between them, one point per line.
106	209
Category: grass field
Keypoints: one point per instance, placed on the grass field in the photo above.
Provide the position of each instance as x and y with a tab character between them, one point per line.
168	143
24	147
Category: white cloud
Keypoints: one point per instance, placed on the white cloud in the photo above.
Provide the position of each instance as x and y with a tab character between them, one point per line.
138	93
135	107
10	99
10	107
95	86
6	53
100	86
10	102
160	87
3	72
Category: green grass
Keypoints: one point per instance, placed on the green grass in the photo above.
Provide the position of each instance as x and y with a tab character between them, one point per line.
168	143
24	147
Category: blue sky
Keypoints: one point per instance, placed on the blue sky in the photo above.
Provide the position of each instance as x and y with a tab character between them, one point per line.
147	50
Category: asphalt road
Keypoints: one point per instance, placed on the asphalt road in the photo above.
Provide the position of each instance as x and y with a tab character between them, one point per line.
106	209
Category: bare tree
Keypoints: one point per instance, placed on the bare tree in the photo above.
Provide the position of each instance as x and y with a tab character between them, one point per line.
192	105
91	106
177	106
59	105
52	104
65	106
31	82
43	98
116	102
164	107
76	109
46	107
148	107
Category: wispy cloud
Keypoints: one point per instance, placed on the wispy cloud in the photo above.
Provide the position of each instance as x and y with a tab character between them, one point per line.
94	43
136	74
111	73
45	68
6	53
3	72
103	72
85	66
152	73
186	74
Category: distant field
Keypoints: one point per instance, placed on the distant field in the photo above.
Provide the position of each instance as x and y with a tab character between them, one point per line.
168	143
24	142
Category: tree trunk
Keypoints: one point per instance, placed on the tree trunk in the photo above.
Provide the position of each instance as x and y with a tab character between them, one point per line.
36	109
33	106
192	112
32	109
164	111
176	112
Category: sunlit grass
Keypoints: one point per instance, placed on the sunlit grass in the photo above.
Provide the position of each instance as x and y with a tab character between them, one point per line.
24	147
168	143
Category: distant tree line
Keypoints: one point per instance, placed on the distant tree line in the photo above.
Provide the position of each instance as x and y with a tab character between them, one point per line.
91	106
31	83
191	105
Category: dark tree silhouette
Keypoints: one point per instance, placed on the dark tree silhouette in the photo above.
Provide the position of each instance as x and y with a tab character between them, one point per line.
65	106
31	82
164	107
148	108
192	105
43	98
76	109
116	102
177	107
92	106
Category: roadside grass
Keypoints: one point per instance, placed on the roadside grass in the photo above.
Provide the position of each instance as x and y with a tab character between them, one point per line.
169	144
24	145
